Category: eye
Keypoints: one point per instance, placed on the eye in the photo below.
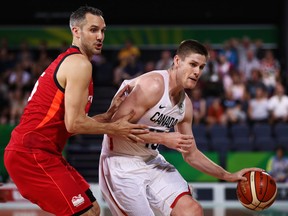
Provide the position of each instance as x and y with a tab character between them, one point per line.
193	64
93	30
202	67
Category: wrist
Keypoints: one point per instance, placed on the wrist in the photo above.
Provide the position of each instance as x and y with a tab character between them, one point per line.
107	116
158	138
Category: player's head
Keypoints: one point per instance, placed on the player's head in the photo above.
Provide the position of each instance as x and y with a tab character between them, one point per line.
88	28
189	46
78	17
189	62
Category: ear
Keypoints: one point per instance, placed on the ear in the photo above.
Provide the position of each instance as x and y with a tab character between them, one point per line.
176	60
76	31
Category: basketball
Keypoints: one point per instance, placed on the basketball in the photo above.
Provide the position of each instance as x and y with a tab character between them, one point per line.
258	192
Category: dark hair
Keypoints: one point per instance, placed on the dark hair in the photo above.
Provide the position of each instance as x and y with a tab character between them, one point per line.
280	147
79	15
187	47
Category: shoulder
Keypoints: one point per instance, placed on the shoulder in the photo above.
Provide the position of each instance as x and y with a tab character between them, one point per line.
150	86
151	81
74	67
78	61
77	65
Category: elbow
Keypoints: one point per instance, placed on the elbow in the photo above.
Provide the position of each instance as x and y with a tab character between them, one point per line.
73	127
191	156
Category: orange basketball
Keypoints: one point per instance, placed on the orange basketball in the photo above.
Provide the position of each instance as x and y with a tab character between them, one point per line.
258	192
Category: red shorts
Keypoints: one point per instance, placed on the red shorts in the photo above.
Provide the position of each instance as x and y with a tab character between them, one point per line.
49	181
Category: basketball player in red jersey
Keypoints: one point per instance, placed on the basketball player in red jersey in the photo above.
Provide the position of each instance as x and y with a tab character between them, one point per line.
57	108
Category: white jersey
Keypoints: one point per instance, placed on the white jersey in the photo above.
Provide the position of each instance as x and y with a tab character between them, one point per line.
160	118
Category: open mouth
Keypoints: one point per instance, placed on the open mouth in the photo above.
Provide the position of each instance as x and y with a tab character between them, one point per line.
195	80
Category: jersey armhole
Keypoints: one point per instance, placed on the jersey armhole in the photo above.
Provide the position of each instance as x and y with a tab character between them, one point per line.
56	70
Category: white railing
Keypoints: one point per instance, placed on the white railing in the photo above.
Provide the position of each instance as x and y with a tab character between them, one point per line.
217	196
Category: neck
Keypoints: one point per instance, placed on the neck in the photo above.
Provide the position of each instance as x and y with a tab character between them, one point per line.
175	90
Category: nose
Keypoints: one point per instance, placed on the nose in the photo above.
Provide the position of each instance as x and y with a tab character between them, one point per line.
197	72
100	36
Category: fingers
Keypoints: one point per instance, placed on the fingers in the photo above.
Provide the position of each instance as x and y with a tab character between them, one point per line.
182	150
259	169
137	131
129	115
135	138
185	146
187	137
253	169
123	91
243	178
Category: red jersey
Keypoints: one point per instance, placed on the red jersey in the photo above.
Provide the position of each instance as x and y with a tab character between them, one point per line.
42	124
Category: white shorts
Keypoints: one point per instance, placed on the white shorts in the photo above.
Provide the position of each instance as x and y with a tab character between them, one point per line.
134	187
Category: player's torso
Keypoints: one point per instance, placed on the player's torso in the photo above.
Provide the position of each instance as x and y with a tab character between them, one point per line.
160	118
42	123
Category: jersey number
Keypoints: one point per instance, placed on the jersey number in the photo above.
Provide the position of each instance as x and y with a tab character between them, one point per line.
35	87
153	146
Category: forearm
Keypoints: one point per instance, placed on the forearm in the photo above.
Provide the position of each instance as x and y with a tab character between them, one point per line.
91	125
103	117
154	137
202	163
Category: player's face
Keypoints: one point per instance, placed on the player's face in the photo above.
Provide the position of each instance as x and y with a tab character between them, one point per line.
191	69
92	34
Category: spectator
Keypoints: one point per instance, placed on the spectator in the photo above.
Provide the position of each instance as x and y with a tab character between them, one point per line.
102	71
247	64
18	77
199	106
258	107
216	113
230	51
254	82
233	82
165	61
133	68
277	165
4	101
7	59
245	44
18	99
259	48
223	66
25	55
149	66
212	85
278	105
125	52
233	109
270	68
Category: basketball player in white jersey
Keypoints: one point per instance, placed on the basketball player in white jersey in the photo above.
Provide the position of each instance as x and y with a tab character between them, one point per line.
135	178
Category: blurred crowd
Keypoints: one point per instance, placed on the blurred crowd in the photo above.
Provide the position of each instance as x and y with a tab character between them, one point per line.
242	82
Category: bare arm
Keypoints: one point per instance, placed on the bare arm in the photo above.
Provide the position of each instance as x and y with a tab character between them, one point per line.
146	92
198	160
114	106
74	75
